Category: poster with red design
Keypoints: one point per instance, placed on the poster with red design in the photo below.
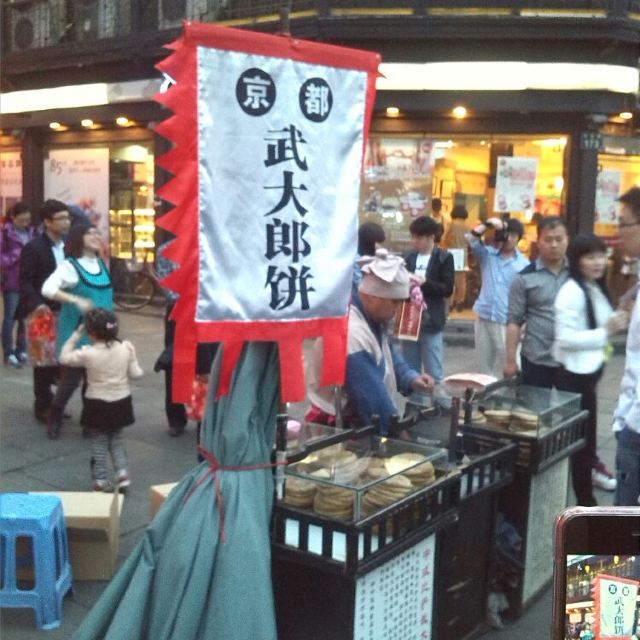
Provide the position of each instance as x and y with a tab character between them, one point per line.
269	135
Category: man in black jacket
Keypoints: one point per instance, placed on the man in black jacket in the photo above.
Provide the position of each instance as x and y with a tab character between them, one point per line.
38	261
435	267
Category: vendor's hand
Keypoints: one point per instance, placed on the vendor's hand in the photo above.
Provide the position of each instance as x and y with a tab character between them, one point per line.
496	223
423	382
510	368
83	304
618	322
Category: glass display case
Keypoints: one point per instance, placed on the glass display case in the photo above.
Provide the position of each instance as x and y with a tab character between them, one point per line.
526	411
351	481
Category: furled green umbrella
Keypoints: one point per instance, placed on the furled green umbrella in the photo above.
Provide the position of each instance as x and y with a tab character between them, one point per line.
185	580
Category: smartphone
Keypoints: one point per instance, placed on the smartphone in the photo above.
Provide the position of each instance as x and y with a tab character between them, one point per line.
596	578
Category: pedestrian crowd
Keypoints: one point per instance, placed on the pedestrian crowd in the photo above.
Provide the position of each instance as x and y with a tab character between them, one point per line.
549	320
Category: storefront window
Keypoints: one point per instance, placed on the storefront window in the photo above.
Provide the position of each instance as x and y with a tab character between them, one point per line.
404	175
131	213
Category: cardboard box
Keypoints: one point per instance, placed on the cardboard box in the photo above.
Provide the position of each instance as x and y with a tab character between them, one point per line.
157	495
93	530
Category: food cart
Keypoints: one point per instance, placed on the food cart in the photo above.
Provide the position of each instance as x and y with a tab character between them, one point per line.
355	538
547	426
466	554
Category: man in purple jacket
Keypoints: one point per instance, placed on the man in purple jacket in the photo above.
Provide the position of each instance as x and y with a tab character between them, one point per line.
16	233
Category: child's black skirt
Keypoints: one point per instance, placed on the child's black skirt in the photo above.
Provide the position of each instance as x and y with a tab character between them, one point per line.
102	415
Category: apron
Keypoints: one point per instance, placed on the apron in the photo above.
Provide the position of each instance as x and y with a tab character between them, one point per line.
97	288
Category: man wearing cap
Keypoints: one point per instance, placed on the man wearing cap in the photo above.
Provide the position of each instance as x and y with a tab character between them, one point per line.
375	370
499	265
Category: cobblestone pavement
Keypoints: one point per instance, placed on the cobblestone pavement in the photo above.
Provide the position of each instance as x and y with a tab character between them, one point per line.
29	462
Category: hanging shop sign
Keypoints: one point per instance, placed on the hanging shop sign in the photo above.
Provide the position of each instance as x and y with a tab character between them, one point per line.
515	184
269	135
615	605
80	177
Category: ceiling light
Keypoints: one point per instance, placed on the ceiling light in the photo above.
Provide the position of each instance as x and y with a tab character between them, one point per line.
393	112
459	112
54	125
87	122
626	115
122	121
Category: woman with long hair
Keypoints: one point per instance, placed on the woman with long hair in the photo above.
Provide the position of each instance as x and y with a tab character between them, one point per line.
16	233
584	322
80	283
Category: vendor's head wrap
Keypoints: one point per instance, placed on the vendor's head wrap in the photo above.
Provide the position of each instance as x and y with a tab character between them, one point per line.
385	276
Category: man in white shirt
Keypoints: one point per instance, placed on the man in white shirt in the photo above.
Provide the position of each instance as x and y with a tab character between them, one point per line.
626	419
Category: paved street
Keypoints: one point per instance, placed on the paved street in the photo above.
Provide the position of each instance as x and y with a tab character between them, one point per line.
29	461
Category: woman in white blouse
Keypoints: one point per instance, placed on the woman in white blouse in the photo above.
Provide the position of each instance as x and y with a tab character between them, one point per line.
80	283
584	321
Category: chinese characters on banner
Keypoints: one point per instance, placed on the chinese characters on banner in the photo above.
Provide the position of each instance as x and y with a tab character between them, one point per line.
81	177
395	601
515	184
10	179
267	199
615	605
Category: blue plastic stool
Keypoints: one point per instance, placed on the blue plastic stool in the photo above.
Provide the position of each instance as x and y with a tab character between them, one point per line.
39	517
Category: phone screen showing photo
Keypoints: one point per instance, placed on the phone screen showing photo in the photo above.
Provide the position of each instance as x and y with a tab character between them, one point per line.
601	599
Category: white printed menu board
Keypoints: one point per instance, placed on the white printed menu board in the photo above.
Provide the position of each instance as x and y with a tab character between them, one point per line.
395	601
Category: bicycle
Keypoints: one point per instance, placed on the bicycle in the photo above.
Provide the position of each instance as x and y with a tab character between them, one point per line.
137	285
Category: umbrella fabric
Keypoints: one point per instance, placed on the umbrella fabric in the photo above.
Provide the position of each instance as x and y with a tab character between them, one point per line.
182	581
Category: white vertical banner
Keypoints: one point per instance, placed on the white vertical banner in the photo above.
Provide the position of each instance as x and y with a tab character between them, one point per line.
615	605
608	185
515	183
81	177
10	179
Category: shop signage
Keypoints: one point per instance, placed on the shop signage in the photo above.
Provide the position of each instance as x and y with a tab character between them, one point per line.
81	177
515	184
267	195
395	601
591	140
10	179
615	605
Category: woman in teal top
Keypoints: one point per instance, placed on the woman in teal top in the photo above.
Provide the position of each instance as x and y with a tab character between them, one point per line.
80	283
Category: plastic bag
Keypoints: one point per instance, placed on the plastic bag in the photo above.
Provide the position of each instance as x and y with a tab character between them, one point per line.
195	406
41	329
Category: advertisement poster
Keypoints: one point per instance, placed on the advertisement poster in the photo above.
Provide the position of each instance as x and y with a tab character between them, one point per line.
397	186
615	604
515	184
81	177
10	179
608	188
